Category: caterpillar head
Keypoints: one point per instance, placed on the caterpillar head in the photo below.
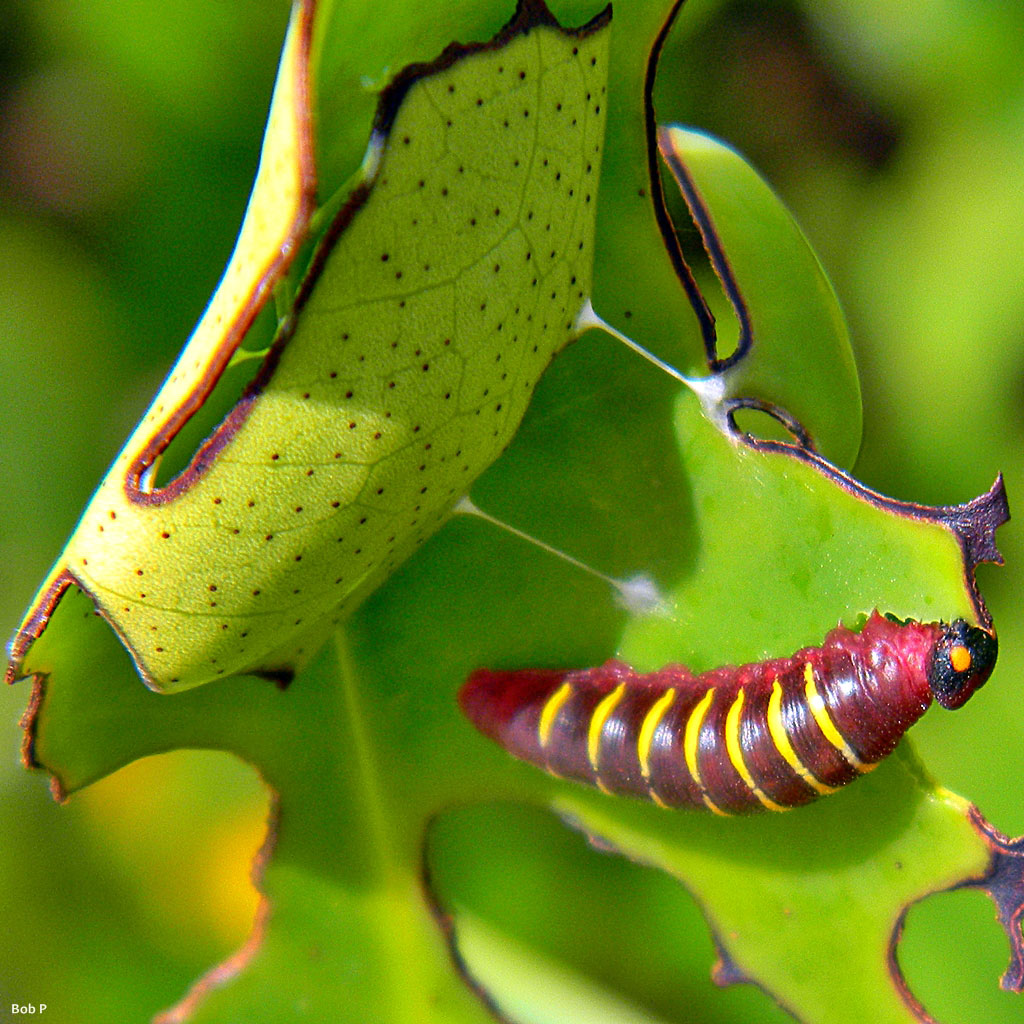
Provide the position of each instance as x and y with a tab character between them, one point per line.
961	662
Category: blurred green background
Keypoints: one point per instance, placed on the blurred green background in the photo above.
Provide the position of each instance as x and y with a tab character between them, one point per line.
129	138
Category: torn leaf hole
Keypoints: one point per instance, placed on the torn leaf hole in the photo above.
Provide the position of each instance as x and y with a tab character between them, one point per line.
186	828
216	406
934	928
693	245
753	421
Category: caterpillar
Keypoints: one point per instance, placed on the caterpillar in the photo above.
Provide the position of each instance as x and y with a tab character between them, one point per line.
771	735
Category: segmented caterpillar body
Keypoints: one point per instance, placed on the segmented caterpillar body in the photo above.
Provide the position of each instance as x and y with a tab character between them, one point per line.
770	735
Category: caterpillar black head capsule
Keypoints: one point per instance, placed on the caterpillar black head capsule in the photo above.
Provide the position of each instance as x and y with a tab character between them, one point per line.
961	663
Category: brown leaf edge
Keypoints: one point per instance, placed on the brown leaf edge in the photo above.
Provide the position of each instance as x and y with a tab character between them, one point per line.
446	926
973	523
1003	880
277	264
229	969
1004	883
529	14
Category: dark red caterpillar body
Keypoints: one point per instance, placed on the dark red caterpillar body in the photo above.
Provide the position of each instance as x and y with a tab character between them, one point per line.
774	734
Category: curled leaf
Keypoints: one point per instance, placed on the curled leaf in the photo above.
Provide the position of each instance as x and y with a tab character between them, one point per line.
439	294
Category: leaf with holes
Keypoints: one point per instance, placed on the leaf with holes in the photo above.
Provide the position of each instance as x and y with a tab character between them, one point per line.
451	275
755	548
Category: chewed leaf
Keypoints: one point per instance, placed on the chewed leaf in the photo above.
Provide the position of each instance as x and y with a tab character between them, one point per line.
440	293
763	260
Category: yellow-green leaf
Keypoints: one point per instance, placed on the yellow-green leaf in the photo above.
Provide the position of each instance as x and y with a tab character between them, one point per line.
442	289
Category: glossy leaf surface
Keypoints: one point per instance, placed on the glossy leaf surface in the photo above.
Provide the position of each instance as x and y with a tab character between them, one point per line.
756	553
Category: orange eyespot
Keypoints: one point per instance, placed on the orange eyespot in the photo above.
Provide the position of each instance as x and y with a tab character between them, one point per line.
960	658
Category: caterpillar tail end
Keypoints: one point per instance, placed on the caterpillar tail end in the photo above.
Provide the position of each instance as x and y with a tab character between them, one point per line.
494	700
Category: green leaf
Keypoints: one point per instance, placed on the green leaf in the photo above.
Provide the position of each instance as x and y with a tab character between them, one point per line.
444	286
757	550
793	356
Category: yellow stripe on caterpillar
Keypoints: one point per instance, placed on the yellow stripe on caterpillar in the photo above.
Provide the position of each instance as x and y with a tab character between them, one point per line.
549	713
820	712
777	730
735	750
649	727
691	743
597	722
